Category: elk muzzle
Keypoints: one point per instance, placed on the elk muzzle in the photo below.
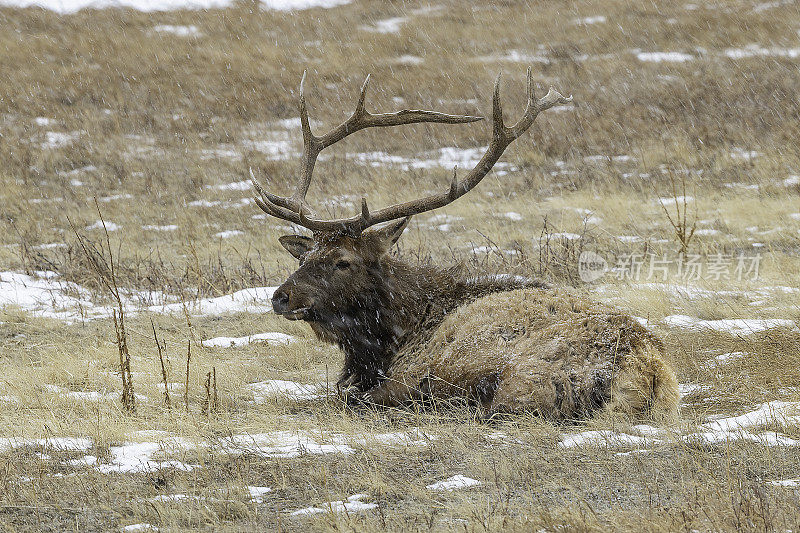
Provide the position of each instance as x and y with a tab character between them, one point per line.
285	303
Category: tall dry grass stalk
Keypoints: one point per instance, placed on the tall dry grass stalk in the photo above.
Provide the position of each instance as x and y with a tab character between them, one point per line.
684	230
106	273
167	400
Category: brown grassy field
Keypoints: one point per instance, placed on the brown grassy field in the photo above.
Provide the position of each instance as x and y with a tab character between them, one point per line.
106	109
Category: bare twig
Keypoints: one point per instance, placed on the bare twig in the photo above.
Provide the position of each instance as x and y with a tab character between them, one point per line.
683	231
106	272
167	399
186	384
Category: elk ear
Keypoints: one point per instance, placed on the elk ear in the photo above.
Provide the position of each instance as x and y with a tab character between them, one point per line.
390	234
297	245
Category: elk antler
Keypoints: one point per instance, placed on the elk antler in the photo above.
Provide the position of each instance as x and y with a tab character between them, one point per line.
296	210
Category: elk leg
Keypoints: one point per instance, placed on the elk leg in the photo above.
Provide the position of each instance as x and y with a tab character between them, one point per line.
392	393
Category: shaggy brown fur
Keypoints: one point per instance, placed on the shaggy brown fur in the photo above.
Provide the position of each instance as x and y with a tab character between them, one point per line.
504	343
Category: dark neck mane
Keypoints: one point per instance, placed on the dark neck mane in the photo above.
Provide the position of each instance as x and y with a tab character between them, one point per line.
404	306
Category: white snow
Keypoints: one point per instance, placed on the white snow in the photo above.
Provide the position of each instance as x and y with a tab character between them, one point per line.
390	25
139	527
56	139
727	357
136	457
564	235
228	233
585	21
791	483
659	57
245	185
287	444
265	390
734	326
180	31
9	399
716	431
110	226
672	200
43	121
75	444
791	181
776	411
113	197
168	227
756	50
353	504
446	157
48	297
72	6
453	483
604	438
87	460
299	5
741	153
407	59
252	300
257	493
707	231
511	215
514	56
231	342
86	396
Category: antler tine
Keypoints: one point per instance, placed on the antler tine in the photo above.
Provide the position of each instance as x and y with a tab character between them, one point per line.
498	127
502	136
295	208
534	107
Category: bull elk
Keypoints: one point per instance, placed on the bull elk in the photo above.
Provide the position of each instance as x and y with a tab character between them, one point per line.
420	333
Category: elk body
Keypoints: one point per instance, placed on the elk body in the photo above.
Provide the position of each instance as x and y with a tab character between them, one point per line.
420	333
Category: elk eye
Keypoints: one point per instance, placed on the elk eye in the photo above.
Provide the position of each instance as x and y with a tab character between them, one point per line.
342	264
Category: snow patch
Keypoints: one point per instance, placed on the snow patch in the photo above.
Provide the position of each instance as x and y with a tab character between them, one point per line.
245	185
139	527
390	25
231	342
662	57
180	31
352	504
228	233
300	5
48	297
604	438
733	326
57	139
515	56
109	226
756	50
270	389
73	444
257	493
585	21
453	483
790	483
168	227
73	6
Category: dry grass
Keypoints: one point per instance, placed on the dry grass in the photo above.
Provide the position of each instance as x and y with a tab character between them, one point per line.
155	121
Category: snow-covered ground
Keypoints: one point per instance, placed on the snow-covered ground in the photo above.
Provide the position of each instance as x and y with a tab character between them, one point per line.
741	427
72	6
48	296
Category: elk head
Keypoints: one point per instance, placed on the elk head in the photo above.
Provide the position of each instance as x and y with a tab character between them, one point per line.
341	264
